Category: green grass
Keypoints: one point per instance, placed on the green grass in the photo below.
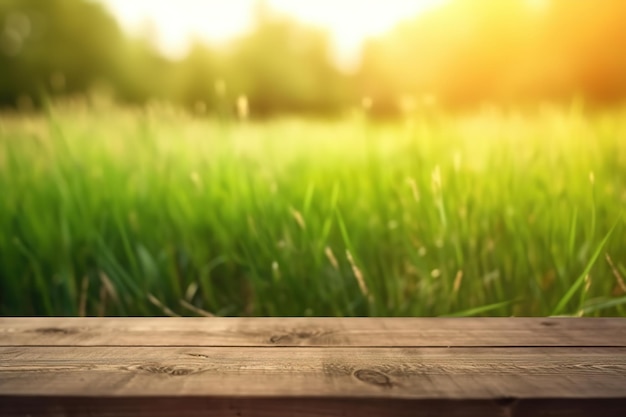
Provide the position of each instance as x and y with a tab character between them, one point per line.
153	212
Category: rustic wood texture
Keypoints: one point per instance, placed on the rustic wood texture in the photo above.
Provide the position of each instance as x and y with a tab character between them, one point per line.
421	373
312	367
372	332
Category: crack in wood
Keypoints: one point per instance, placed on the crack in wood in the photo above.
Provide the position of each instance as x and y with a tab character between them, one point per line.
198	355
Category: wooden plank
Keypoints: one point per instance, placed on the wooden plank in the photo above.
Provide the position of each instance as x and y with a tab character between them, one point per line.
313	367
459	374
302	407
366	332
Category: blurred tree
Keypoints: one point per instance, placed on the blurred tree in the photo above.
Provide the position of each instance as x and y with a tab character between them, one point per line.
460	54
143	73
55	46
282	65
199	84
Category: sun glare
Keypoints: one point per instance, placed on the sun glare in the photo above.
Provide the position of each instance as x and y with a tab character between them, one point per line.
349	22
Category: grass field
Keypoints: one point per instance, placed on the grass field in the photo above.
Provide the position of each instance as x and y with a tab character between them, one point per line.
128	212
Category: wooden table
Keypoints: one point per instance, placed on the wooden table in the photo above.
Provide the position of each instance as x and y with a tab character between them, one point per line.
312	367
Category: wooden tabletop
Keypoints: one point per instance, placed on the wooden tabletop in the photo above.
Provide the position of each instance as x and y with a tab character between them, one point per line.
313	366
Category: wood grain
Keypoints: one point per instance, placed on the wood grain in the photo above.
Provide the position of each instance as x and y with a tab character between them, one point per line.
409	373
261	367
366	332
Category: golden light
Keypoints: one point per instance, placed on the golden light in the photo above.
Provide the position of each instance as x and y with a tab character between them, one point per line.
349	22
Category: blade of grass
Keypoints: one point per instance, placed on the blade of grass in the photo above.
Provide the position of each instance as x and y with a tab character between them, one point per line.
603	304
581	279
572	234
479	310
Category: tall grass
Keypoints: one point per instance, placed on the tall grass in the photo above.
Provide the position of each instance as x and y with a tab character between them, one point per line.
126	212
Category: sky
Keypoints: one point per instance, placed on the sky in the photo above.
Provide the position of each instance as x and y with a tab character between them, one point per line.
349	22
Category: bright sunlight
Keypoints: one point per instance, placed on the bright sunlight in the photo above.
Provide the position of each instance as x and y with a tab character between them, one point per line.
349	22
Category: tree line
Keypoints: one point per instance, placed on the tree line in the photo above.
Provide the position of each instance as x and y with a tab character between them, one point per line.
461	54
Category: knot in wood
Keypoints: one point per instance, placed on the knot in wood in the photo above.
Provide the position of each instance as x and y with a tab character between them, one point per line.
373	377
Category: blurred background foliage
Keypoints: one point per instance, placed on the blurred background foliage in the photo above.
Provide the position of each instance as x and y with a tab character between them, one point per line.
114	201
464	53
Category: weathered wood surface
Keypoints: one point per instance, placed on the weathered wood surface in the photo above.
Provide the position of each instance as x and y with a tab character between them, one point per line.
418	373
313	367
372	332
